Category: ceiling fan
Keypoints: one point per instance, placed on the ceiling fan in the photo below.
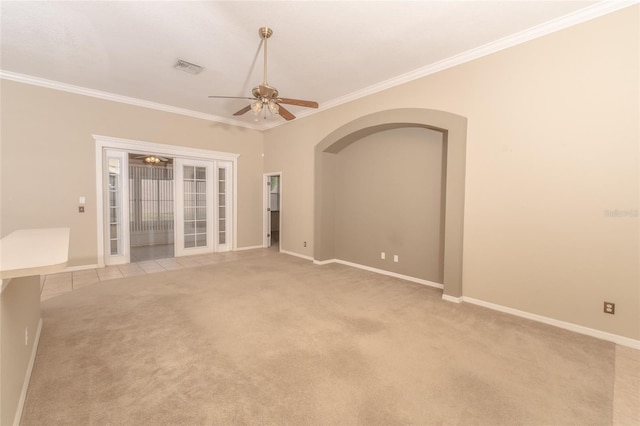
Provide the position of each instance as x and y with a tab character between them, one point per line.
265	97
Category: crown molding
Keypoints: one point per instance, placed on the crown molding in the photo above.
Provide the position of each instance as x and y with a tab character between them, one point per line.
50	84
595	11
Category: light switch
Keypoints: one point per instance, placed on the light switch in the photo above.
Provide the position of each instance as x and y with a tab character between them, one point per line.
82	200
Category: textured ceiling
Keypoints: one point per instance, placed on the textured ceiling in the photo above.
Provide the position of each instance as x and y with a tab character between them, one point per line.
326	51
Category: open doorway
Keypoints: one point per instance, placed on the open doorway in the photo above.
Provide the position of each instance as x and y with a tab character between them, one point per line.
151	201
273	203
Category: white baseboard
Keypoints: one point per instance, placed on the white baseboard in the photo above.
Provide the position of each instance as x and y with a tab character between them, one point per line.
248	248
452	299
615	338
291	253
27	376
324	262
381	271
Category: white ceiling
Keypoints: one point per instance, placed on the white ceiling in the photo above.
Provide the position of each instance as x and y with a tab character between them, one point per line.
327	51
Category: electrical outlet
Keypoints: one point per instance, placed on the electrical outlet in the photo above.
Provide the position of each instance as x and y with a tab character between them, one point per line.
383	255
395	258
305	243
81	209
609	308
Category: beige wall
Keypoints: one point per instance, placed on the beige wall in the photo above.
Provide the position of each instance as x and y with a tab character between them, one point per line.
48	159
552	147
19	312
384	182
291	152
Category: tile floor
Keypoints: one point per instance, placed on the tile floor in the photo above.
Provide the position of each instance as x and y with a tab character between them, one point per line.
64	282
159	251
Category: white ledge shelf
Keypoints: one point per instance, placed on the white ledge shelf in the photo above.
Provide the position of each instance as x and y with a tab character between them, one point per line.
29	252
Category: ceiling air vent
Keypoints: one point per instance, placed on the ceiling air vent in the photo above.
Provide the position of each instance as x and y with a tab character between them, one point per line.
188	67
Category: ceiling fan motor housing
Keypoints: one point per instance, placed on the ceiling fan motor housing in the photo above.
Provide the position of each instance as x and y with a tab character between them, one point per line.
264	91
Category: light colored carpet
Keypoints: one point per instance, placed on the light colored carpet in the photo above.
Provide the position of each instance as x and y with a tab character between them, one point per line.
262	338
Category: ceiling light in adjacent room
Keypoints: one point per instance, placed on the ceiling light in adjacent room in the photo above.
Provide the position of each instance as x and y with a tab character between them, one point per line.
151	159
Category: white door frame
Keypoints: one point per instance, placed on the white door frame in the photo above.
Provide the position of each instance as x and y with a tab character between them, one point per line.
266	201
141	147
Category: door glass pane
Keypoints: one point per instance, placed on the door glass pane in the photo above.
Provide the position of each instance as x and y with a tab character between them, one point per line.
201	173
189	173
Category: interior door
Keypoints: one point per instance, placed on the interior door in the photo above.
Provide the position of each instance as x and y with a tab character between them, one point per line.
194	211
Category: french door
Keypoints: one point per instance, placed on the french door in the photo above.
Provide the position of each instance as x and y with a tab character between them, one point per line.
203	206
194	212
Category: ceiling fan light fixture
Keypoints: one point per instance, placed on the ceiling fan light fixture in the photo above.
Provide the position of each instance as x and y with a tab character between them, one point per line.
265	97
256	107
273	107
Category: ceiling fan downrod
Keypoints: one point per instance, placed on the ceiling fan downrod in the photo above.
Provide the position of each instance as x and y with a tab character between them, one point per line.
265	33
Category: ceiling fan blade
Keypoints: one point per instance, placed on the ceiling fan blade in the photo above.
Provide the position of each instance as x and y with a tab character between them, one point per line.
299	102
231	97
285	113
243	110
